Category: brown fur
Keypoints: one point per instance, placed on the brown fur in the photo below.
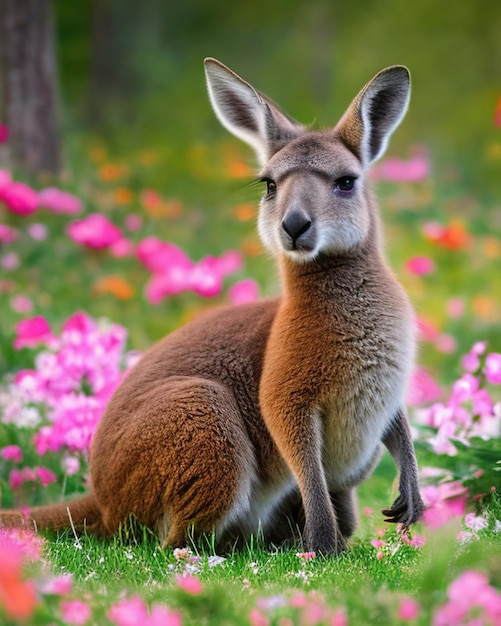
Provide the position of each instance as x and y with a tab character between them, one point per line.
266	416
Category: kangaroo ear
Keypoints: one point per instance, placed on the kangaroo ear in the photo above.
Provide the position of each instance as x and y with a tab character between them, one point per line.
246	113
375	113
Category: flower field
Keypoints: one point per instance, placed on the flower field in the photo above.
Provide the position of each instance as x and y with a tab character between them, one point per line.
98	265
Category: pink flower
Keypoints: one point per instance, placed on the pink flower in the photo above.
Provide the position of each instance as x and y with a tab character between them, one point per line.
134	611
21	304
32	332
79	323
417	541
162	616
7	234
19	198
59	201
70	386
58	585
475	522
38	232
27	542
133	222
229	262
443	503
150	198
190	584
95	231
243	292
416	169
4	133
161	285
420	265
445	343
5	178
471	361
298	600
10	261
45	475
377	543
482	403
71	465
427	329
464	388
158	256
339	618
314	613
129	612
492	369
470	594
455	307
174	272
15	479
122	248
408	609
12	453
423	388
75	612
256	618
19	477
306	556
205	279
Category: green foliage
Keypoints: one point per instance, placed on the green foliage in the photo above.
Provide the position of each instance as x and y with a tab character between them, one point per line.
477	465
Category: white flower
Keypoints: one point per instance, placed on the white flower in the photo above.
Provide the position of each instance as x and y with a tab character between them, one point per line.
475	522
214	561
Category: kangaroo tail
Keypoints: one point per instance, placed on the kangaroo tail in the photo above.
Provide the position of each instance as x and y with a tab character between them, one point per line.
79	514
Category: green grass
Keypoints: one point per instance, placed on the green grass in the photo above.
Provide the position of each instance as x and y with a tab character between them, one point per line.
368	589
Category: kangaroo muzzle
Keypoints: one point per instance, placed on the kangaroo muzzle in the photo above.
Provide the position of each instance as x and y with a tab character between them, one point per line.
297	231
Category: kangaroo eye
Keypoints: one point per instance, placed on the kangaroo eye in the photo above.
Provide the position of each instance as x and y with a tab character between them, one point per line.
345	184
271	187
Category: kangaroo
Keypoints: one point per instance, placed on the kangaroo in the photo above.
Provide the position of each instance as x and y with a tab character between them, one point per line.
278	407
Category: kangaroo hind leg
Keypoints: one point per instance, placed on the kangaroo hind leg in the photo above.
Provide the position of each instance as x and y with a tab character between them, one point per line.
208	486
188	461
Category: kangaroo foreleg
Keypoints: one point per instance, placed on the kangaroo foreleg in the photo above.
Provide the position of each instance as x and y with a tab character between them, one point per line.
408	507
298	437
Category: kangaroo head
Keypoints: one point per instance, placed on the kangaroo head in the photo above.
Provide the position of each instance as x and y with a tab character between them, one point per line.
316	200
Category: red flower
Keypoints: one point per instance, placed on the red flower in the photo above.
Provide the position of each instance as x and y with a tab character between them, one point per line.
16	596
454	236
59	201
497	114
4	133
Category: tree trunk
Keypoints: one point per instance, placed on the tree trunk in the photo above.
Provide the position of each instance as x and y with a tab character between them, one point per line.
28	82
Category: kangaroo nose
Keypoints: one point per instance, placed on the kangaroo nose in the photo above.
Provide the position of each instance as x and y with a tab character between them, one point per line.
295	224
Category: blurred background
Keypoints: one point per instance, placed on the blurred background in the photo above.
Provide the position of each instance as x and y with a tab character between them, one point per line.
123	110
138	66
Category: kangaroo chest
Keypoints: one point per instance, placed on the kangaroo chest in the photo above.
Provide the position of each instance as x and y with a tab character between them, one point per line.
346	361
364	379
